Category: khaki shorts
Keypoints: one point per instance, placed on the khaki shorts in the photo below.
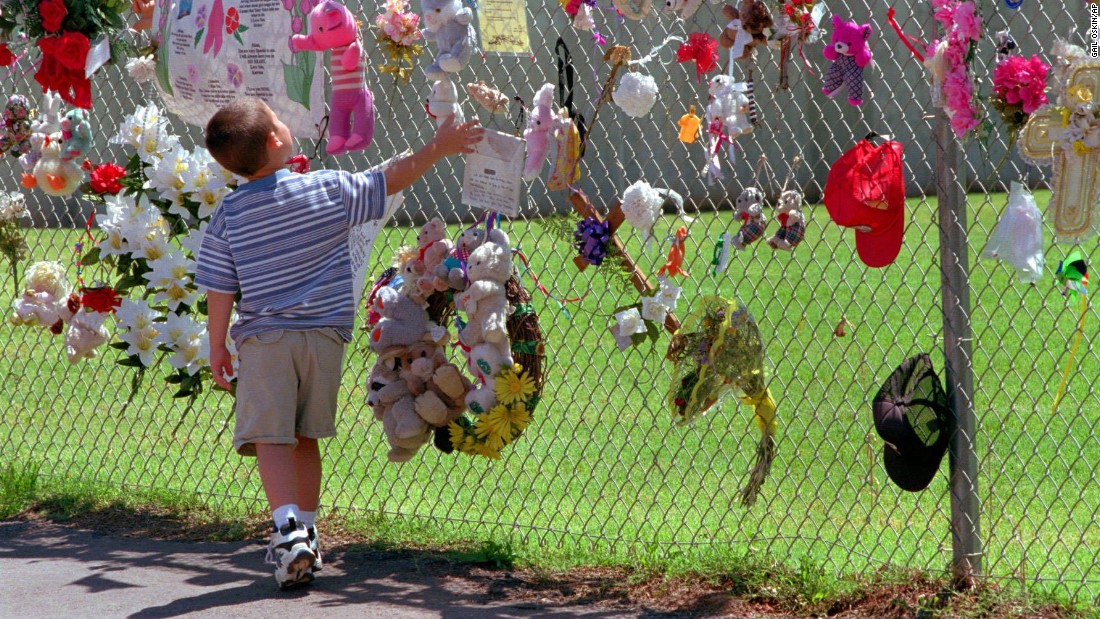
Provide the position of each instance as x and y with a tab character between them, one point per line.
287	384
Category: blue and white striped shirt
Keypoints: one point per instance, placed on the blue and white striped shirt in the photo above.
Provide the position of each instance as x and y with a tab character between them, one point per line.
282	241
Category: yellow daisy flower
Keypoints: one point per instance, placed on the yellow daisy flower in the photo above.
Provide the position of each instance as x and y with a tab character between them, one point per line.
518	418
483	449
514	385
458	436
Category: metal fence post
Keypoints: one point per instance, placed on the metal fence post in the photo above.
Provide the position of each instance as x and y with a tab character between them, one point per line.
955	290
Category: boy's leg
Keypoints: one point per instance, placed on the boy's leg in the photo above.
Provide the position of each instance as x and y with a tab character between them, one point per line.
290	548
307	463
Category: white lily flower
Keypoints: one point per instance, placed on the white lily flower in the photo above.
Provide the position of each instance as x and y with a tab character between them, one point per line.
143	343
177	294
170	173
622	341
208	199
134	315
133	128
115	243
191	353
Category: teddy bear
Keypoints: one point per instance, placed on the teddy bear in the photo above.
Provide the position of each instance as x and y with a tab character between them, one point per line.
448	275
433	248
540	123
76	134
749	208
790	217
443	102
468	241
393	405
728	104
438	387
849	53
449	25
748	25
351	105
402	322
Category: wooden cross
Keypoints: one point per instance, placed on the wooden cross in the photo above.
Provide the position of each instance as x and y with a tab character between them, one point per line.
1075	203
615	218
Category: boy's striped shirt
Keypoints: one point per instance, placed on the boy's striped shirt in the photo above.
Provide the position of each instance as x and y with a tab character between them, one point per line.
282	241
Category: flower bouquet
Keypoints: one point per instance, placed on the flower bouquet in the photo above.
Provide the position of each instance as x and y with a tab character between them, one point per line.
1019	88
717	350
12	245
70	35
398	36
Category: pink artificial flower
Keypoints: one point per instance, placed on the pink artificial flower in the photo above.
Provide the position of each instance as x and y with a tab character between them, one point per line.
967	23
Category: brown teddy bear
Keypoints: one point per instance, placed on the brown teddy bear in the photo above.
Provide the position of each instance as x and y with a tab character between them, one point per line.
438	387
748	26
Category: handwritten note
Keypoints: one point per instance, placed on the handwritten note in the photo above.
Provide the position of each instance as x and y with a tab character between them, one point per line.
492	178
504	27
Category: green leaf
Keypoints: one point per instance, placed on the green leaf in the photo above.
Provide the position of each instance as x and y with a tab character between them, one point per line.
131	362
90	257
237	35
174	379
182	393
242	28
198	36
119	345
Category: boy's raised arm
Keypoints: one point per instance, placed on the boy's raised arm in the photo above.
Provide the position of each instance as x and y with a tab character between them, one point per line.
449	139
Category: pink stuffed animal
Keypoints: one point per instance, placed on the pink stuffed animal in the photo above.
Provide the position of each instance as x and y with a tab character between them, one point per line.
849	53
351	107
537	133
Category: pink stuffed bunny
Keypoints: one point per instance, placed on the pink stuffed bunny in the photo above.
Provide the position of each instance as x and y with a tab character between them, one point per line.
351	107
537	133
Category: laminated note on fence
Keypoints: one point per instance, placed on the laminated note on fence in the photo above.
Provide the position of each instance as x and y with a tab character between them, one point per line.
504	26
214	51
493	171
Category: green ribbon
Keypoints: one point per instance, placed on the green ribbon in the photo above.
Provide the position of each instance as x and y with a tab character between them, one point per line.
527	347
523	309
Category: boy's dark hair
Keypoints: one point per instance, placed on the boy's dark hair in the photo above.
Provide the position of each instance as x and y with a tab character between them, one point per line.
236	135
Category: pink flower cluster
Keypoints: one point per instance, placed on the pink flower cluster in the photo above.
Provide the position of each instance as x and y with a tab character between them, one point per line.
398	23
1021	81
963	26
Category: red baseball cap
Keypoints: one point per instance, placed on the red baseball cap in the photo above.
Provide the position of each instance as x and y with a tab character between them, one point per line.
865	188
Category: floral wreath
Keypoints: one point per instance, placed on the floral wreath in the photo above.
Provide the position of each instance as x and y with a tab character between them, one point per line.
499	398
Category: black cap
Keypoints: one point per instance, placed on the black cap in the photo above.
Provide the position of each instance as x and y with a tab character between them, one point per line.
912	416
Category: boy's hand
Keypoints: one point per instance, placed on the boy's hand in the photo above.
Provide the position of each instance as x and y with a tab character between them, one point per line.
221	365
452	139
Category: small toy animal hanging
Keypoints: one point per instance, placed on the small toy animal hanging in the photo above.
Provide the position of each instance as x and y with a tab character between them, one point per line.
351	105
789	215
849	53
749	208
449	26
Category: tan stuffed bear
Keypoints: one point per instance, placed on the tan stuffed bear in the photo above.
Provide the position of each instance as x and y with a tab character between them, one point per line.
789	215
393	405
438	388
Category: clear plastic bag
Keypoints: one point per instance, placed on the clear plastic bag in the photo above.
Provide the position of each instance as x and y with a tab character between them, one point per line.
1018	237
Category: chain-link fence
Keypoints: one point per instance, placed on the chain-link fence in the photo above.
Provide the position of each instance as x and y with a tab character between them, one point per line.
602	465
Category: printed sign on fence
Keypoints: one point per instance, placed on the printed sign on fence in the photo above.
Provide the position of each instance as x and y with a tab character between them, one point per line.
214	51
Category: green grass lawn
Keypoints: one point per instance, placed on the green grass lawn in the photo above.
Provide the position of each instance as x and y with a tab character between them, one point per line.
604	475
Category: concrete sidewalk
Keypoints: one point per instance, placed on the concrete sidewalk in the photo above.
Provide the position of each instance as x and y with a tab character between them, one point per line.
51	571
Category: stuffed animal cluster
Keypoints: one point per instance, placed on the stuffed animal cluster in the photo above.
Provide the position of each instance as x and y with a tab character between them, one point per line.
47	302
56	144
351	105
485	336
412	388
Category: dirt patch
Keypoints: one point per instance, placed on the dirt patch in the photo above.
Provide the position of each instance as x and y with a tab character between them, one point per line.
654	596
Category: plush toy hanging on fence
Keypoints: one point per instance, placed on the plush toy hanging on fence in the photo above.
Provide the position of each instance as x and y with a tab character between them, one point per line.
848	52
749	26
727	118
789	215
683	9
716	351
351	105
449	26
540	125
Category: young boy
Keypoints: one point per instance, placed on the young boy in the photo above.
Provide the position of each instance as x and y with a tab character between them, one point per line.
281	240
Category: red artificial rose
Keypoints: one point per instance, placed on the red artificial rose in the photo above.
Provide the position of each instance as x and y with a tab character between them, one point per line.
105	178
72	51
52	12
102	299
6	57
